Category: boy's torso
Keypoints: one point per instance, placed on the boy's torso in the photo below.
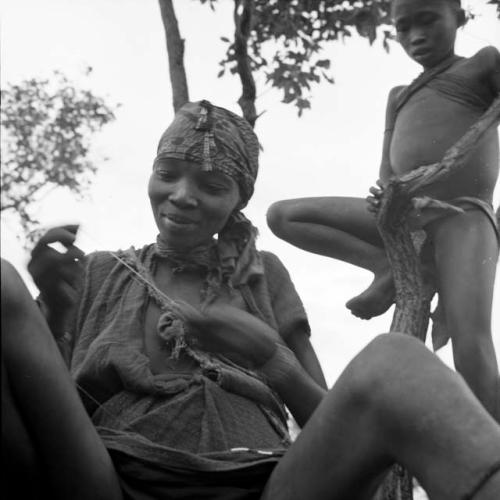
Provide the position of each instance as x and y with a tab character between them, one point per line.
435	117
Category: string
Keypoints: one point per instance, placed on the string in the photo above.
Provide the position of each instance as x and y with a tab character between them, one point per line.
138	276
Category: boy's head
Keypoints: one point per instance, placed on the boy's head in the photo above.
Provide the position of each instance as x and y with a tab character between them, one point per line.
426	29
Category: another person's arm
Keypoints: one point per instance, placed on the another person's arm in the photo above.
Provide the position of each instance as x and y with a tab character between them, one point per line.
57	276
385	171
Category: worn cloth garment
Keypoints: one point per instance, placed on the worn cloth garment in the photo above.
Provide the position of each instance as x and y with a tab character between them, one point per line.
427	210
167	433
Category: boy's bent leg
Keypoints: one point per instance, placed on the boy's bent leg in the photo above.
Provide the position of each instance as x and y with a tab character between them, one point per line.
466	253
74	461
344	229
338	227
396	401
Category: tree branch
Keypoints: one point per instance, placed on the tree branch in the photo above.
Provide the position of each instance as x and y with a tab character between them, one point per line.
243	23
175	51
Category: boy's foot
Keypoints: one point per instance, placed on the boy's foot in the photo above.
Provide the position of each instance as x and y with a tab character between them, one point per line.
376	299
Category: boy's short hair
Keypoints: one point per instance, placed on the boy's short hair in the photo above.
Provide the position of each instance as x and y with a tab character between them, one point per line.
457	5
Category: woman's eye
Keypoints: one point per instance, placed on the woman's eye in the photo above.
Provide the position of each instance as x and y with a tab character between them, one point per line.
214	187
165	174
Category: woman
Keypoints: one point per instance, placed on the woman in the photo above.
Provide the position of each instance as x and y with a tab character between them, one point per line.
185	352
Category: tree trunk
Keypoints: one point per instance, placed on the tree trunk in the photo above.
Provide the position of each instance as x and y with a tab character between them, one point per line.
175	51
243	23
413	294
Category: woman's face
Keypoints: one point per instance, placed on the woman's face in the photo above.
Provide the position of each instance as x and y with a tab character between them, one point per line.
190	205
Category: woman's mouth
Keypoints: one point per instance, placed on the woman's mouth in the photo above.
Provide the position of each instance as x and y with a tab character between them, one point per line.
177	219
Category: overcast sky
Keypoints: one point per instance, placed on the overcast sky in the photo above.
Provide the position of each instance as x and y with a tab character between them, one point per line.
334	149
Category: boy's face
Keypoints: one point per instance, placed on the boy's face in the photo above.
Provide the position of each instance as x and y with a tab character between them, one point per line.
426	29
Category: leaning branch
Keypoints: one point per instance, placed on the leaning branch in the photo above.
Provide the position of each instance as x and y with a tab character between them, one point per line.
243	10
175	51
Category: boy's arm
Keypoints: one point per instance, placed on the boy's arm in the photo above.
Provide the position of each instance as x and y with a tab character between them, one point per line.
385	171
494	59
487	62
298	341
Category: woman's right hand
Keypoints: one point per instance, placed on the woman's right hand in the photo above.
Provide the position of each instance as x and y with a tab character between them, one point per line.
233	332
57	274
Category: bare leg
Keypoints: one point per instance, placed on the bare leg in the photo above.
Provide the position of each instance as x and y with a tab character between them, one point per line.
55	433
341	228
466	253
396	401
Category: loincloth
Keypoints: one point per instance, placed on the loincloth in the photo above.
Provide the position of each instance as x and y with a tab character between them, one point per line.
427	210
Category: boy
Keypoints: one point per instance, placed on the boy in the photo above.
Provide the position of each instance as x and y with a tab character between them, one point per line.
422	121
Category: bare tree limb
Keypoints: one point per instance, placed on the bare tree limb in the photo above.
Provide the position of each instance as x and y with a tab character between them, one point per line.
175	51
243	23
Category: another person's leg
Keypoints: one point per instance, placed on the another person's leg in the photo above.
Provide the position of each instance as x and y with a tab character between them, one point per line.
54	432
344	229
395	402
466	253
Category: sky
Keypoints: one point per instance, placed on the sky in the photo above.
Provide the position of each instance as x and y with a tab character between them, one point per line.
334	149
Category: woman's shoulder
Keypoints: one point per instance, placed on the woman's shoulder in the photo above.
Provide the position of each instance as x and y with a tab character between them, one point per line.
272	263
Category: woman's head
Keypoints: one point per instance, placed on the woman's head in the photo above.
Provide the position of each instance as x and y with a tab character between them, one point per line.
204	173
427	29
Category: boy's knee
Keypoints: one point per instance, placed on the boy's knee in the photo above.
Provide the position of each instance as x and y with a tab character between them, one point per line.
276	218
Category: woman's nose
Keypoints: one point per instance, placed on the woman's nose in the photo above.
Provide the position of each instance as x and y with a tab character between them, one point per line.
184	193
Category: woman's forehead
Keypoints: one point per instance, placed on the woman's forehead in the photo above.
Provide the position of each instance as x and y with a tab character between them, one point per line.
192	168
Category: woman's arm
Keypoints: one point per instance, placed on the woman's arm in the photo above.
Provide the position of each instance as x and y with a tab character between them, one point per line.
298	390
298	341
250	342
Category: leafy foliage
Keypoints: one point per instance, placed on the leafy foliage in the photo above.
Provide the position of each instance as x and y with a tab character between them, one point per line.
296	31
497	3
46	130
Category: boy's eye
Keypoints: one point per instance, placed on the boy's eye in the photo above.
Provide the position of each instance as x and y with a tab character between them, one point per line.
427	18
401	27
